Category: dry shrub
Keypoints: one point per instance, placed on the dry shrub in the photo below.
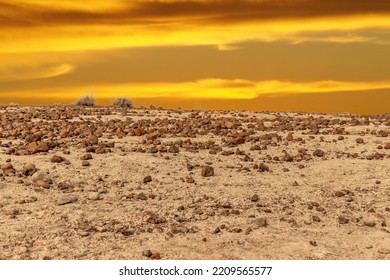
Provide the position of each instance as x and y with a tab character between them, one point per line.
123	103
86	101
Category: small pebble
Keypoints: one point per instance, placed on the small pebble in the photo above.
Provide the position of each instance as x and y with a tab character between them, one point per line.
147	179
207	171
67	199
93	196
261	222
147	253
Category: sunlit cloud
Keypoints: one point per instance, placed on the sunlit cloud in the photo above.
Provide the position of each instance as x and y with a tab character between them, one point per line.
207	89
235	89
23	72
31	26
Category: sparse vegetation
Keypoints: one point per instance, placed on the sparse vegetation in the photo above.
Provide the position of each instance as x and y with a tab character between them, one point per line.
88	101
123	102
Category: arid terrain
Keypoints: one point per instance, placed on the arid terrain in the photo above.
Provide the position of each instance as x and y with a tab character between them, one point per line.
112	183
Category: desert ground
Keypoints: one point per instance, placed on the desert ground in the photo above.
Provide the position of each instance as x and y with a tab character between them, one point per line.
114	183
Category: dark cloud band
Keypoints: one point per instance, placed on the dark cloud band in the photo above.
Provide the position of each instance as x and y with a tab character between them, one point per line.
200	12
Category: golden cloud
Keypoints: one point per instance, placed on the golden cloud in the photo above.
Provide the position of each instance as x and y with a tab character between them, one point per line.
206	89
24	72
33	26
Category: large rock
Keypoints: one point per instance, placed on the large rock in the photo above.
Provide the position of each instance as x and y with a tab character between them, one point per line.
39	176
92	139
8	169
57	159
86	157
35	147
29	169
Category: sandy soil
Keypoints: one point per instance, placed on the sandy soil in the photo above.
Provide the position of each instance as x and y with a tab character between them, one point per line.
223	185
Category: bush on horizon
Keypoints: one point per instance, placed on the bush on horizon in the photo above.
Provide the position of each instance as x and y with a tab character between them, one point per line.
123	102
88	101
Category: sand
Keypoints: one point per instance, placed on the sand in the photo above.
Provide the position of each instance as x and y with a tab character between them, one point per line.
279	185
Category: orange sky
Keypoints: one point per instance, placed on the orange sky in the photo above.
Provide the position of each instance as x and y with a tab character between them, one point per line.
290	55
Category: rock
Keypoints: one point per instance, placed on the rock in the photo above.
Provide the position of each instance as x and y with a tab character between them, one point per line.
229	124
155	256
29	169
126	231
236	140
11	212
138	131
216	230
141	196
254	198
147	253
343	220
153	218
339	193
370	223
263	167
8	169
100	150
57	159
387	146
313	243
287	157
84	233
90	149
92	139
190	180
384	251
41	148
35	147
173	149
85	163
67	199
207	171
39	176
318	153
289	136
316	219
86	157
261	222
93	196
359	141
42	184
153	135
190	166
147	179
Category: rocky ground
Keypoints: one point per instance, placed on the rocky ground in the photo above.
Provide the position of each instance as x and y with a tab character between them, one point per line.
109	183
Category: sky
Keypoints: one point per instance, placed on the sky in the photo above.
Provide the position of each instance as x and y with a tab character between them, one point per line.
273	55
